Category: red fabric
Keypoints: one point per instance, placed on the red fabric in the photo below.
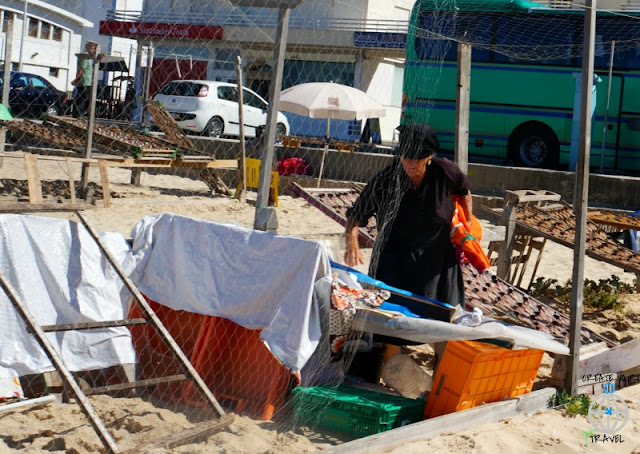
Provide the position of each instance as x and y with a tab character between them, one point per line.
291	166
467	239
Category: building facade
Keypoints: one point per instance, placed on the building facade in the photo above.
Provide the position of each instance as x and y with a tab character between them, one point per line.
46	42
358	43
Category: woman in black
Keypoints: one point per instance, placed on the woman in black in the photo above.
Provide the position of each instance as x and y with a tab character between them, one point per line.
411	201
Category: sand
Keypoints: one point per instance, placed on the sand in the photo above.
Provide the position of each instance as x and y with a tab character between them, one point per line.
62	427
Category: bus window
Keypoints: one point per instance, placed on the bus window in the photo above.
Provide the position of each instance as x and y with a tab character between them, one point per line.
475	29
546	40
626	33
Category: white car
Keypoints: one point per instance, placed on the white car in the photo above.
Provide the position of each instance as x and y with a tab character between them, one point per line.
211	108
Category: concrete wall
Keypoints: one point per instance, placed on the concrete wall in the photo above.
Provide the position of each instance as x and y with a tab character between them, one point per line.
604	190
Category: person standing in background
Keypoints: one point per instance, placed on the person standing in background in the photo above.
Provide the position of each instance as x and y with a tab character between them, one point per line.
84	79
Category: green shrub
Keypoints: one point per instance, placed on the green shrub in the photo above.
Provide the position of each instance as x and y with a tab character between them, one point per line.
573	404
602	295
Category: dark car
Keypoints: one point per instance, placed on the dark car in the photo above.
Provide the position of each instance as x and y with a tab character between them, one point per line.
31	95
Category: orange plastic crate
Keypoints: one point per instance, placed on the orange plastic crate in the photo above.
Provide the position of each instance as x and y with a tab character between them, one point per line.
472	373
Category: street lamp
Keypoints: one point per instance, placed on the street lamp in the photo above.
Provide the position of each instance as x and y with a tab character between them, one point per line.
265	217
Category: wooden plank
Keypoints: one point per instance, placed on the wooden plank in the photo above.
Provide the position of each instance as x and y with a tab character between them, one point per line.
72	183
33	179
453	422
526	195
104	178
93	325
41	157
21	207
195	434
614	360
134	384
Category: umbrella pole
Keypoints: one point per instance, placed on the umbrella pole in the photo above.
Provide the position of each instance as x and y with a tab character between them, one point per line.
326	149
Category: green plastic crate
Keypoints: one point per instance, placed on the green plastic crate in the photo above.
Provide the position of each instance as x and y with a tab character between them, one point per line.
355	411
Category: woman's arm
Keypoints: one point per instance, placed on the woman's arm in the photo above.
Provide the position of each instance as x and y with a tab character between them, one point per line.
467	206
352	255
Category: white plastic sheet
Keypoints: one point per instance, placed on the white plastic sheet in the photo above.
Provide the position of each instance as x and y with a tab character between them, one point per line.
257	279
58	273
430	331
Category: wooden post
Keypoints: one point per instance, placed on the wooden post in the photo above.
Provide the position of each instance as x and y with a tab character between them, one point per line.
265	218
104	177
72	182
147	83
8	46
33	178
136	176
462	106
581	196
84	178
243	194
506	247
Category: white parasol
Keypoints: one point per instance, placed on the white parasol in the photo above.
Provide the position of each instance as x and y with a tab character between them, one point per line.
331	101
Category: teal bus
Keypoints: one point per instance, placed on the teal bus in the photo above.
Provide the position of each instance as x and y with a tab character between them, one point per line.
526	60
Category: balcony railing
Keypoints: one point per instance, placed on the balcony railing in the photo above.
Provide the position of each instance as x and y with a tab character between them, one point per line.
260	21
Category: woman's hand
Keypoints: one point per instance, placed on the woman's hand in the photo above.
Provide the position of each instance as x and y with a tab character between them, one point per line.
352	255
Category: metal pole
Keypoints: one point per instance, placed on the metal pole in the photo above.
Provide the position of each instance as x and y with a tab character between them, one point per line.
265	217
84	179
581	197
8	57
25	22
606	111
243	194
326	149
462	106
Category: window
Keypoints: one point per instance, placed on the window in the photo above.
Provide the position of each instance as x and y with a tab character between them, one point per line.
45	30
181	89
8	16
625	32
33	27
555	48
435	27
54	72
252	100
226	59
38	83
57	34
228	93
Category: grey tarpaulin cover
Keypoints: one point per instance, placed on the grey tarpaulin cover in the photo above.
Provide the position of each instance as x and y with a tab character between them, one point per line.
256	279
58	272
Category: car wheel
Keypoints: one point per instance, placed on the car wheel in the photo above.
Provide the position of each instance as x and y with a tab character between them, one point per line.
51	111
281	130
534	145
214	128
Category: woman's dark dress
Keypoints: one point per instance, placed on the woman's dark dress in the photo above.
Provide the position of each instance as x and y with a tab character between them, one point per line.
413	248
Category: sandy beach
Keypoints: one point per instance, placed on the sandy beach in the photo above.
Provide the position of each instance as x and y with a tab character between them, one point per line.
62	427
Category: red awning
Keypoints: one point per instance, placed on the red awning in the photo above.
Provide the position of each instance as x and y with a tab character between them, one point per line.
135	29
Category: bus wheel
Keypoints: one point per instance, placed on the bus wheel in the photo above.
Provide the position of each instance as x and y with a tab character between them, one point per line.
534	145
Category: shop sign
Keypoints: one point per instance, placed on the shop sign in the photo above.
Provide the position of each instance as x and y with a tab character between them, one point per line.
378	39
135	29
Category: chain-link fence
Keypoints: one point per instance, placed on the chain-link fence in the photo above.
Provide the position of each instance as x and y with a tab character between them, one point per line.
156	120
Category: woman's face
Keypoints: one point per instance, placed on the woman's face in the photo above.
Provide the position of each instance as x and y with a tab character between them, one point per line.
414	168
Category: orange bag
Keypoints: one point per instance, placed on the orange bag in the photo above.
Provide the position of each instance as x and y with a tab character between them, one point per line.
468	238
